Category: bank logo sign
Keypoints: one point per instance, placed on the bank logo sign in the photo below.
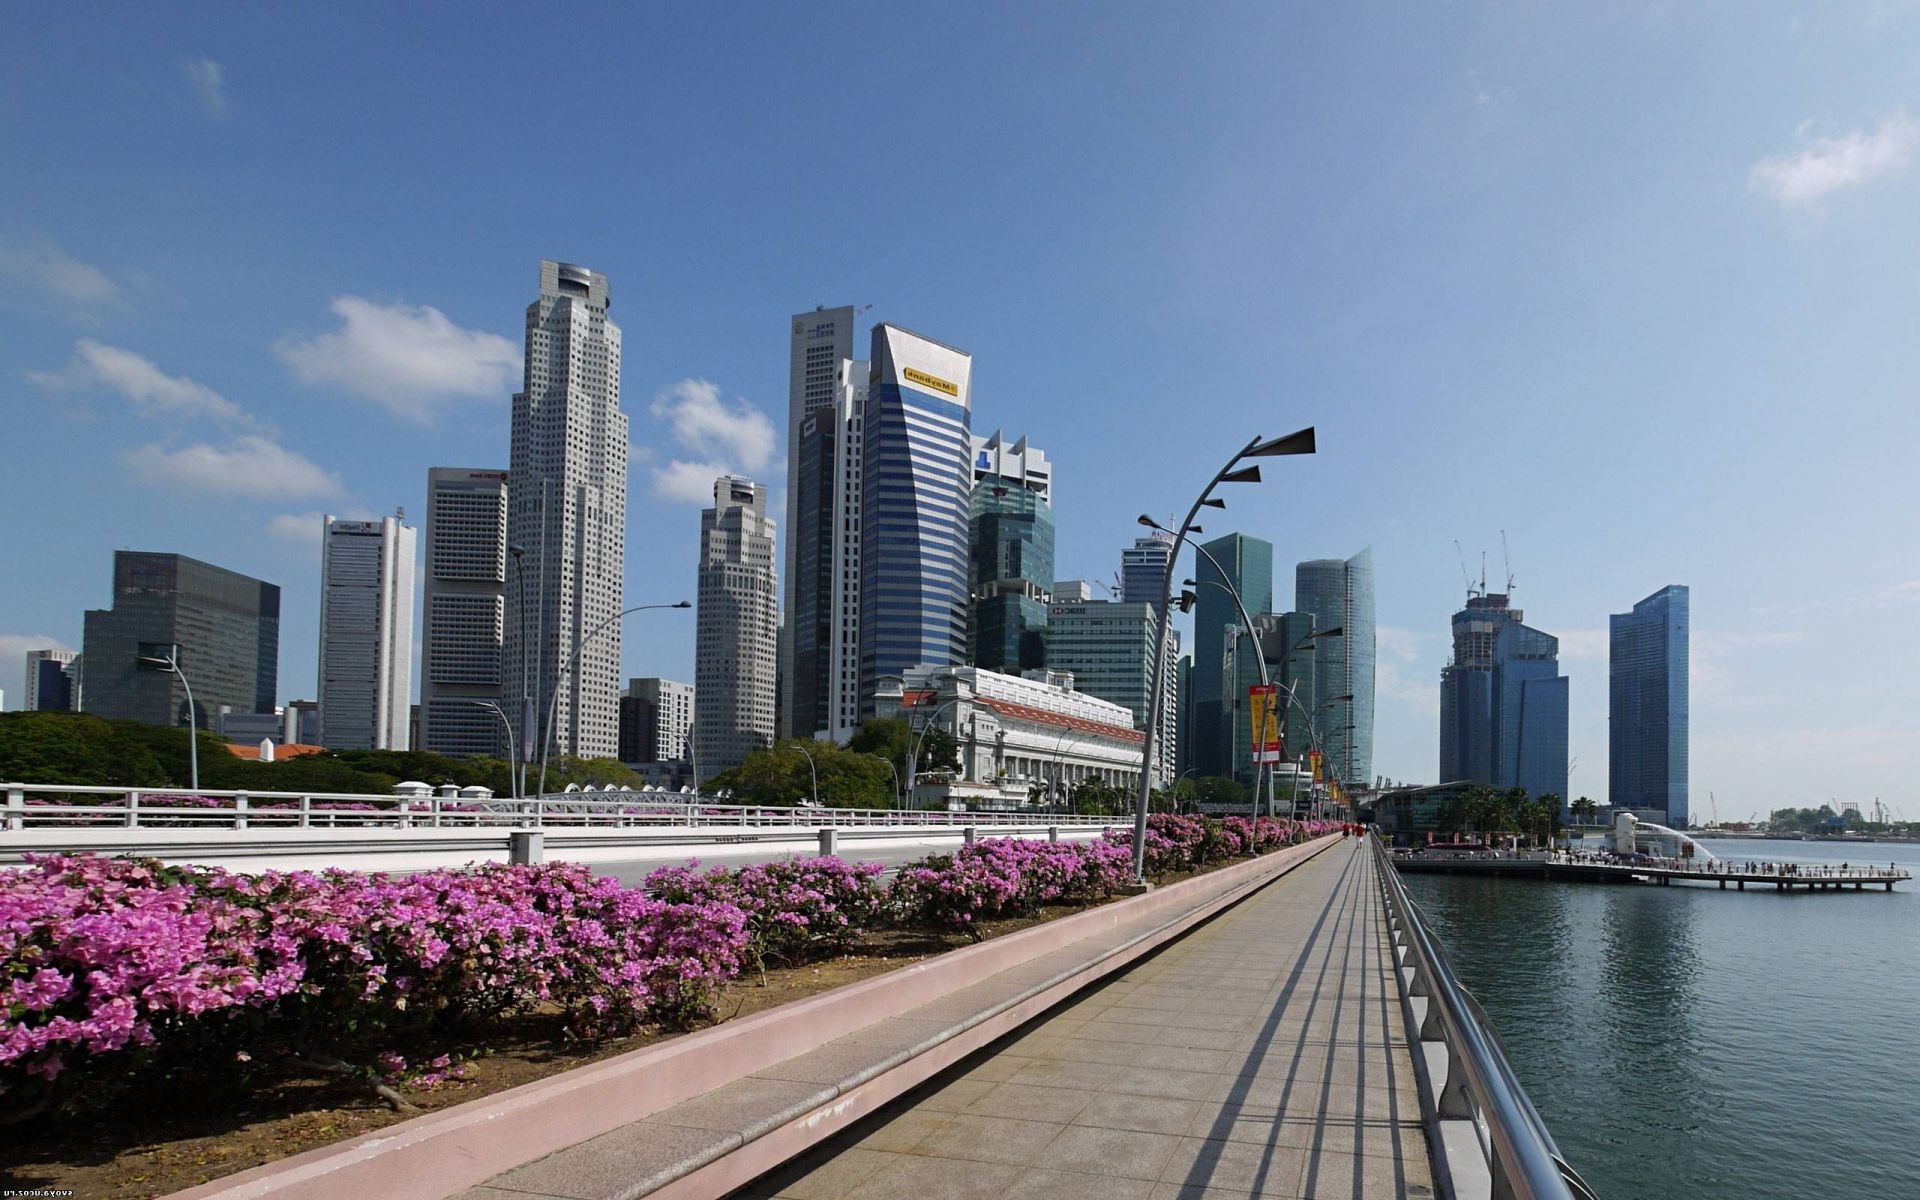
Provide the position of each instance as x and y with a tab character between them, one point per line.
930	381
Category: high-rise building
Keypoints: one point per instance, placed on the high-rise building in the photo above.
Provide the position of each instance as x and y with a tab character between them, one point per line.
1339	594
1010	555
222	627
736	643
1503	703
1143	568
821	634
1182	738
656	721
821	371
1286	641
916	492
568	512
464	613
366	634
1107	646
1246	565
1647	703
53	681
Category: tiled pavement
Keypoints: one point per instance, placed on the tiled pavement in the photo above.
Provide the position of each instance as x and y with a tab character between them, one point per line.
1262	1055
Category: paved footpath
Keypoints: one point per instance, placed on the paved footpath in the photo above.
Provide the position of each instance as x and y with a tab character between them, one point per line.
1262	1055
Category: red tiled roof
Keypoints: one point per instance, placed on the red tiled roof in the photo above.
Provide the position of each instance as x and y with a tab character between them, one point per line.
290	750
1027	712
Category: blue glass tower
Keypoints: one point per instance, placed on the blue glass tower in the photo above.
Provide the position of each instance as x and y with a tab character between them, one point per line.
1247	563
1503	703
917	488
1647	705
1339	594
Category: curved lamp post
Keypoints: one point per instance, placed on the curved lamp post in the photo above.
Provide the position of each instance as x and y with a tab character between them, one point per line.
1259	657
812	771
913	754
519	753
1294	443
493	706
170	663
891	770
573	660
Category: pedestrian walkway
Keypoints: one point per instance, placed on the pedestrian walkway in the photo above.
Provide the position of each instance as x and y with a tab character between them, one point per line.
1263	1055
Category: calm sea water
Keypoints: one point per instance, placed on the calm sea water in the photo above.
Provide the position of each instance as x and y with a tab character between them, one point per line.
1684	1042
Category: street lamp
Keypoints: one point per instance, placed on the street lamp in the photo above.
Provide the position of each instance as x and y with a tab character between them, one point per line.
811	771
1059	761
1294	443
526	674
891	770
170	662
914	744
1259	657
512	778
553	707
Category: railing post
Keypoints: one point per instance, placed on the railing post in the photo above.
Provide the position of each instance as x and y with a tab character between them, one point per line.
829	841
239	810
435	817
526	847
970	834
133	810
306	812
1053	833
16	806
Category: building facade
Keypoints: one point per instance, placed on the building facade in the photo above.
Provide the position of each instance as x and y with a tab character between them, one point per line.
1503	703
1143	568
821	371
1647	705
821	633
1339	594
1020	741
463	618
917	490
568	512
222	626
1107	648
656	721
1286	641
366	634
53	681
1010	555
1244	564
736	640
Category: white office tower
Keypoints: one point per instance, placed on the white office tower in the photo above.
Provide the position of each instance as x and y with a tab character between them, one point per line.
464	602
820	348
822	673
568	513
1143	569
366	634
735	648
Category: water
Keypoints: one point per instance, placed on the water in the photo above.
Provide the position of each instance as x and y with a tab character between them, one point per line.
1687	1042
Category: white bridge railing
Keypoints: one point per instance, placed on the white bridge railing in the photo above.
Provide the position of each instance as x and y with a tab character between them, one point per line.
41	806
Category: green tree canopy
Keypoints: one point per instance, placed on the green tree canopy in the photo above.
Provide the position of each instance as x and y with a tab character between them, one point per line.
779	776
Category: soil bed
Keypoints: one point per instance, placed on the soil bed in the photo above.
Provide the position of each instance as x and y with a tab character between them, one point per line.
152	1146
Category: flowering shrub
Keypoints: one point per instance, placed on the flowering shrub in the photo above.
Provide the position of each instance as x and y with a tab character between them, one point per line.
1003	877
796	910
105	958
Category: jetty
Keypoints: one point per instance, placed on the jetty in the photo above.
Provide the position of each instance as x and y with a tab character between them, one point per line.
1580	868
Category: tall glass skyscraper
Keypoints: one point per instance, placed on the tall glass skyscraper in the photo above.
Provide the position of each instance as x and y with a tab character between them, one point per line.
823	465
1647	705
1011	560
1503	703
1143	568
1340	593
1247	564
915	498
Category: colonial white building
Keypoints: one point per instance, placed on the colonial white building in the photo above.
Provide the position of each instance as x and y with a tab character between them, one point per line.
1019	738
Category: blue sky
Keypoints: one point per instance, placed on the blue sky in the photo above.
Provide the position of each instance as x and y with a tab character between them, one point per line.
1635	283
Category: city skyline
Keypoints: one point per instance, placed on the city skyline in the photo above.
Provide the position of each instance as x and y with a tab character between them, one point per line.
1734	252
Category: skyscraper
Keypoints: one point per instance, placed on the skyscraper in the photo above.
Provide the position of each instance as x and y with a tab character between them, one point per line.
366	633
1011	555
1286	640
736	643
1503	703
822	378
464	612
1247	563
53	681
1143	568
1107	646
821	634
917	488
1340	594
656	721
223	628
568	511
1647	703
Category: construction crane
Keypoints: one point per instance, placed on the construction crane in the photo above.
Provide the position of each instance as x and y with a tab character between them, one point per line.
1505	561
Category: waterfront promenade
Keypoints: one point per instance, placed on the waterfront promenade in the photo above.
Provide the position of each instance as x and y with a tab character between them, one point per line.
1586	868
1264	1054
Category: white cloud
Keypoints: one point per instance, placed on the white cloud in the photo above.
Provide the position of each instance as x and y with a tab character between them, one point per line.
13	662
688	482
1829	164
35	263
149	388
403	357
251	465
725	440
204	78
297	527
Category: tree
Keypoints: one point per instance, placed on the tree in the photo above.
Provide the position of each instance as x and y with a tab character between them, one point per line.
1216	791
889	737
1094	797
1584	810
779	776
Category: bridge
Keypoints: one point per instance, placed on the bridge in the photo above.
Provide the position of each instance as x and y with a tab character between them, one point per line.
1586	869
1283	1026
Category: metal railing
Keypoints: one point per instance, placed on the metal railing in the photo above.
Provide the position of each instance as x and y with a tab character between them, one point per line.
1478	1086
31	806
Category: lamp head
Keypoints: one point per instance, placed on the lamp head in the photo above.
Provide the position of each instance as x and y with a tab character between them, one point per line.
684	604
516	551
1150	523
1294	443
1336	631
1243	475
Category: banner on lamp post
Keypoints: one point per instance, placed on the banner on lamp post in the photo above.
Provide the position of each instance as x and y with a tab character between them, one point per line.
1263	701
